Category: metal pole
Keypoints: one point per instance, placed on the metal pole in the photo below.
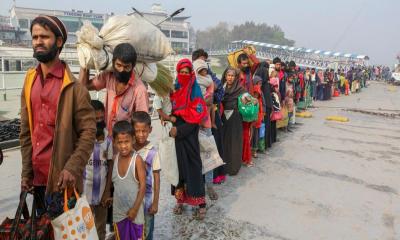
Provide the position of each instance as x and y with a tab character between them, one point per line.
3	79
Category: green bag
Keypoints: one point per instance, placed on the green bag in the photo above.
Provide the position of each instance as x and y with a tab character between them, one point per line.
249	111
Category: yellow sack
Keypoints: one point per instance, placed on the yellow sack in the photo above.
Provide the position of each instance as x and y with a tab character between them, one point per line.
337	118
232	57
285	120
304	114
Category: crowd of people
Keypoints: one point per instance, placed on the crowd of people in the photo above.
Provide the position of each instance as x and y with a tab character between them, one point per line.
103	149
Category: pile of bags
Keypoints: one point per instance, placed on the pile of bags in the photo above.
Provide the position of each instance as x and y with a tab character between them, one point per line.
95	47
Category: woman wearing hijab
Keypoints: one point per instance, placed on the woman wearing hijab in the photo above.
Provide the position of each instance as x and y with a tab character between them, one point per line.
189	108
232	122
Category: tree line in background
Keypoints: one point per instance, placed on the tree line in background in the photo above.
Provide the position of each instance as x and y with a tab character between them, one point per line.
219	36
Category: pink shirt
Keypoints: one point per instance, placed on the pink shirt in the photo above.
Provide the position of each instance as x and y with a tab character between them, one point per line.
120	107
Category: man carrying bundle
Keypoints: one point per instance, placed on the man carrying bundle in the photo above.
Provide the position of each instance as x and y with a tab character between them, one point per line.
126	94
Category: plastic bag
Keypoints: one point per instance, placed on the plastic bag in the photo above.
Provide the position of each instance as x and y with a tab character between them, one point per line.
209	152
75	223
249	111
96	47
168	155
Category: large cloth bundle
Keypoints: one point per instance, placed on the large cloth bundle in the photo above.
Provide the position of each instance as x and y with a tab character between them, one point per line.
146	71
95	48
233	56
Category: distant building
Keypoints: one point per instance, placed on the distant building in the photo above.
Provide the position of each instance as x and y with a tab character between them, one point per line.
176	29
16	27
8	33
21	18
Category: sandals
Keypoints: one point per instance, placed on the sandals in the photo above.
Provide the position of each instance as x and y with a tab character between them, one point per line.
211	193
200	213
178	209
251	164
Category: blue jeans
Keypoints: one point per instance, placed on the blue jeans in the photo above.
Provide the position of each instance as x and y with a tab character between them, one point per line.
148	226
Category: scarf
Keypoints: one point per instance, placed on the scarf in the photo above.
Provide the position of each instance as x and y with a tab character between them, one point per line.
231	94
206	81
187	100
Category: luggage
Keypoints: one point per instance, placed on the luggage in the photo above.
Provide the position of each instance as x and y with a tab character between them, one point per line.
33	227
95	47
285	120
77	222
168	155
249	111
232	57
336	93
146	71
209	154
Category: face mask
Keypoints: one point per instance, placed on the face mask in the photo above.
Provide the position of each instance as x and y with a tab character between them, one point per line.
47	56
100	125
183	78
122	77
245	69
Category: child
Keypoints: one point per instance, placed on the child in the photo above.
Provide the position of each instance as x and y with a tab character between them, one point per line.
257	81
97	175
276	106
129	179
207	88
289	103
141	122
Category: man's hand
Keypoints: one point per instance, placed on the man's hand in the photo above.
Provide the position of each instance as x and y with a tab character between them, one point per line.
153	209
173	132
132	214
66	179
27	185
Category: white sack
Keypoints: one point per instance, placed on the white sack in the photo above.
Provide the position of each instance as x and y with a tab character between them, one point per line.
150	43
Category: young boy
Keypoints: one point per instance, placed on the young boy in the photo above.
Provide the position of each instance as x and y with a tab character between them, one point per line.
129	179
141	122
257	82
97	175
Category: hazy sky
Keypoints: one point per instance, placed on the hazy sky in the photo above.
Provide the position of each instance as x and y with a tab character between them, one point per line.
368	27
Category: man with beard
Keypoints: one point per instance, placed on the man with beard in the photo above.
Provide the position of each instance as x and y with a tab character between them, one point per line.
281	75
126	94
58	125
246	80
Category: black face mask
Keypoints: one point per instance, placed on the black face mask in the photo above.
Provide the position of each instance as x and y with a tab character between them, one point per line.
123	77
100	125
47	56
245	69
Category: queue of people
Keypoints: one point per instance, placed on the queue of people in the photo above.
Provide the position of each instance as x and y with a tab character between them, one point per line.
102	150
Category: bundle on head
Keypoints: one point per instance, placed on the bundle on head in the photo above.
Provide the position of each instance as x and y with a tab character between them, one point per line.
163	84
